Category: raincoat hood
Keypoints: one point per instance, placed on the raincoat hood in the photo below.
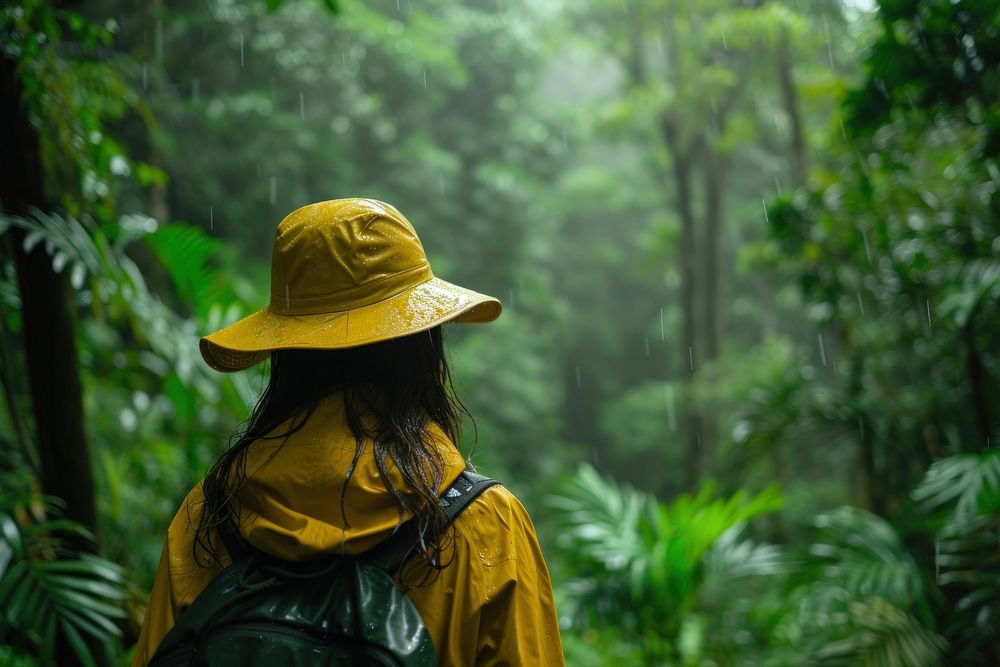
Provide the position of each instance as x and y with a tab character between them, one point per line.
290	505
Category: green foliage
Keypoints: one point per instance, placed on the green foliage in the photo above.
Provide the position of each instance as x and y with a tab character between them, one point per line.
71	100
526	143
47	587
649	569
882	635
968	482
963	492
860	597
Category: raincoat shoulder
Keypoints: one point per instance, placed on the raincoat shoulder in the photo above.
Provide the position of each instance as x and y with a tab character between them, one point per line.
491	605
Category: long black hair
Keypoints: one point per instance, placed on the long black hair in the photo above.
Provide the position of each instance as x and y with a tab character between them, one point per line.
404	383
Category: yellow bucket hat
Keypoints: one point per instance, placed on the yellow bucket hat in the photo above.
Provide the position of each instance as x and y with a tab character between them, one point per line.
344	273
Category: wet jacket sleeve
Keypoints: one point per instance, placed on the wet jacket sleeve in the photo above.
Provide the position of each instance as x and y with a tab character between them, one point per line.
492	605
178	579
517	622
160	613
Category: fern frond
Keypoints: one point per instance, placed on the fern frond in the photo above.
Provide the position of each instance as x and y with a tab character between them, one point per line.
969	482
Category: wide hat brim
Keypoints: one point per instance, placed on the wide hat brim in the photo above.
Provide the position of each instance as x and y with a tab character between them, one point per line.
421	307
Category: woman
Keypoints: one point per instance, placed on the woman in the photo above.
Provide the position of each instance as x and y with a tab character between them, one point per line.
356	432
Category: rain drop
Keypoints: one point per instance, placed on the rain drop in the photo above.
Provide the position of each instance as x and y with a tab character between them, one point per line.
829	46
671	410
159	40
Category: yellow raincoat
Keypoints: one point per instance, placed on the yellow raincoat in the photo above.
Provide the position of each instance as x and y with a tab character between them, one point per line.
492	605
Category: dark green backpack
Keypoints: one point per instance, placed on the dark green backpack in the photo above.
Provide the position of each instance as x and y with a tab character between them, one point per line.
333	610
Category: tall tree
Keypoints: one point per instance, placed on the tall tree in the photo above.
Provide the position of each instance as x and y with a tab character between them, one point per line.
48	328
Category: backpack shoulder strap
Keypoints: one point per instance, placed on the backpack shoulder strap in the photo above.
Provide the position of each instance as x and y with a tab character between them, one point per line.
238	548
392	552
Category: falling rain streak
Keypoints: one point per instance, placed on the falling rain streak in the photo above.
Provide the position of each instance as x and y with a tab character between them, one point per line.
159	41
765	210
211	218
241	49
822	349
829	45
302	105
671	408
662	333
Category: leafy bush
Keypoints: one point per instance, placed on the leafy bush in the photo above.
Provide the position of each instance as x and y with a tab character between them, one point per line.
48	586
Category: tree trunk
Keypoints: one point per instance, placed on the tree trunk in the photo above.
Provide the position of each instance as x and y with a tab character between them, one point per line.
682	166
790	99
978	384
47	321
714	173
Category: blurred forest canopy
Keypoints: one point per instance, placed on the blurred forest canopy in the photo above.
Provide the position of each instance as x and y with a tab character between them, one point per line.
746	380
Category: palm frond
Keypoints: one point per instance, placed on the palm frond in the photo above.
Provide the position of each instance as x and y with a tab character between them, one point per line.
969	482
643	565
732	557
43	587
187	253
883	635
118	284
975	288
866	556
602	520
